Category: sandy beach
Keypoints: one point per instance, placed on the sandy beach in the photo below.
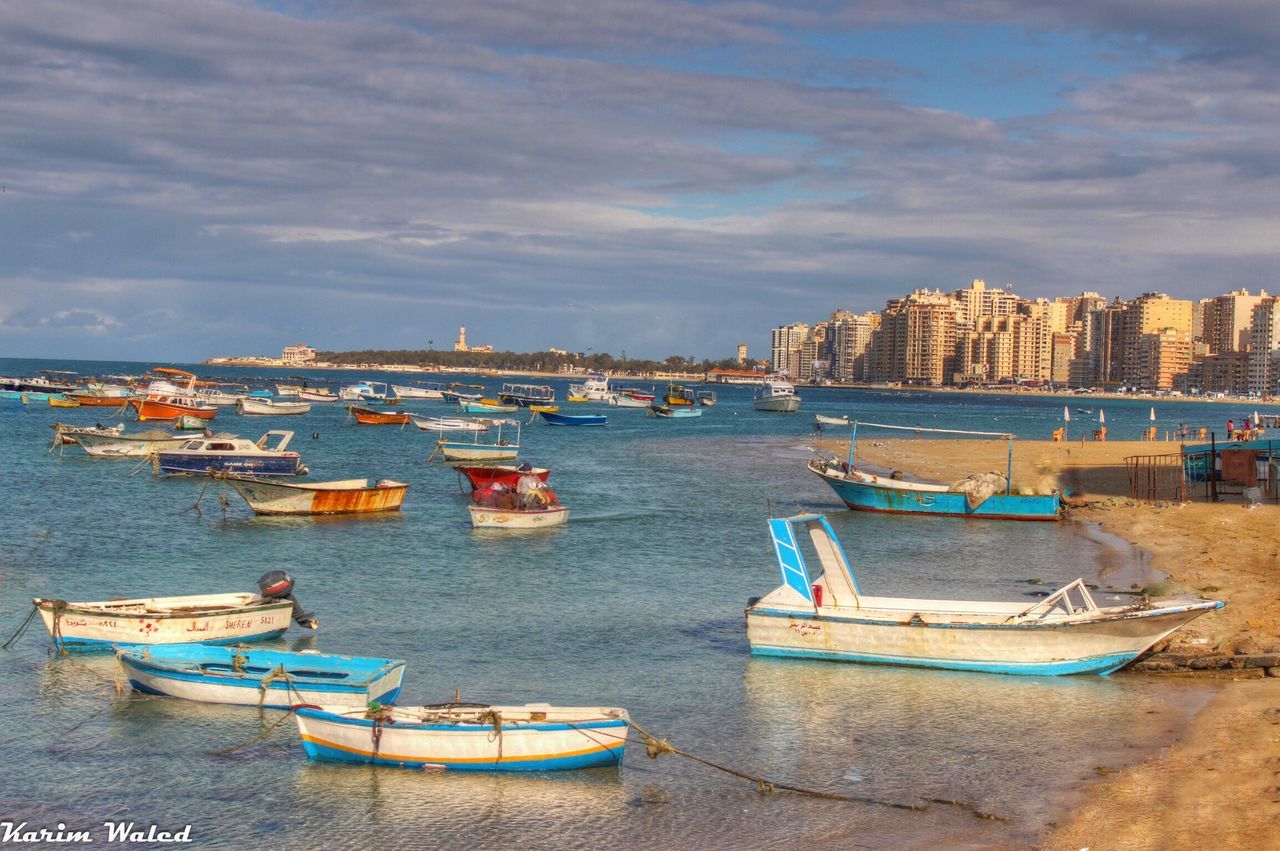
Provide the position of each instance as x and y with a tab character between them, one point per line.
1218	784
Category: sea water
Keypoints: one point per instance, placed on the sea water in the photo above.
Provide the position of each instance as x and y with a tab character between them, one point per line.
637	602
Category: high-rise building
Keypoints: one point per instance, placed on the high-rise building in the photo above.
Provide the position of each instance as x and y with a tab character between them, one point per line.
1226	320
1149	313
785	350
1264	347
916	341
850	345
1163	355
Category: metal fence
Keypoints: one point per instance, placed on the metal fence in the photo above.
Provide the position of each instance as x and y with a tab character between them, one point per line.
1156	477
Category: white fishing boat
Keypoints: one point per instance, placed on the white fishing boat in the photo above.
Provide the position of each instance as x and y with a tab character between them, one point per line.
271	407
484	517
776	396
820	420
349	496
500	449
317	394
828	617
139	444
365	391
622	400
68	435
467	737
198	619
290	390
271	679
450	423
422	391
595	388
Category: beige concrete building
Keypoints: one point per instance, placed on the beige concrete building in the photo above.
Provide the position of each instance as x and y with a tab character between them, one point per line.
1226	319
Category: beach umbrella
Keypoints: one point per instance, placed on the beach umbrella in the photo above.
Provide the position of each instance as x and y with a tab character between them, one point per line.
1257	420
1102	417
1066	415
1153	415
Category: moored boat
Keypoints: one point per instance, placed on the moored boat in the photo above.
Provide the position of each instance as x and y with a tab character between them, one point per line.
459	392
226	453
667	412
186	422
366	391
467	737
469	424
423	390
271	679
198	619
987	496
706	398
272	407
484	475
828	617
63	401
525	395
166	400
69	435
820	420
594	388
678	395
622	400
500	449
317	394
107	443
776	396
349	496
368	416
486	406
558	419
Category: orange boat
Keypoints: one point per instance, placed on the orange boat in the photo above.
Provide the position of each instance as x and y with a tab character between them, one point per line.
368	416
166	400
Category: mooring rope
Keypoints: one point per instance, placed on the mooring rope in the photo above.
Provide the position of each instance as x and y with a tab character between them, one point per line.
22	628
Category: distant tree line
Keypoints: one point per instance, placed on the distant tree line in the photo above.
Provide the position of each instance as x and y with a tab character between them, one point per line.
527	361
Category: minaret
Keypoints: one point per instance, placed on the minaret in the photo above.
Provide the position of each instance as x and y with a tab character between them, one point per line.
461	344
742	353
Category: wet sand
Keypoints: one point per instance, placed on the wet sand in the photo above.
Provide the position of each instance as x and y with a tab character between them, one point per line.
1218	784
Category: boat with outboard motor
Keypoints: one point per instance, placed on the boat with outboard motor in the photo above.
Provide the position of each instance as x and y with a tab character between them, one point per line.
226	453
828	617
166	400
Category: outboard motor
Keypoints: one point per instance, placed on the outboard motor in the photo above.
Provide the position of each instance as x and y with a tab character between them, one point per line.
278	585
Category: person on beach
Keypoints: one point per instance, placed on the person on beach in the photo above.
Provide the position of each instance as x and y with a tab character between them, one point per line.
1231	428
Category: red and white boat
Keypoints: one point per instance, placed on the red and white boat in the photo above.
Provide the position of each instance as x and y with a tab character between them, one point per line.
166	400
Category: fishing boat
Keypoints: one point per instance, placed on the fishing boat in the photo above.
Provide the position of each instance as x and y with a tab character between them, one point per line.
166	400
63	401
424	390
776	396
678	395
271	679
226	453
220	394
987	496
290	390
349	496
50	382
486	406
199	619
636	393
621	400
500	449
451	423
595	388
102	396
368	416
550	409
466	736
525	395
667	412
827	617
557	419
365	391
317	394
106	443
706	398
458	392
484	475
271	407
69	435
488	517
820	420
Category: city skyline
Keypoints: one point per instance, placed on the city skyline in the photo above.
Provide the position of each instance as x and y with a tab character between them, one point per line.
181	181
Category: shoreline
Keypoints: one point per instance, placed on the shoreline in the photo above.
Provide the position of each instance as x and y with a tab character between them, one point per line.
1217	783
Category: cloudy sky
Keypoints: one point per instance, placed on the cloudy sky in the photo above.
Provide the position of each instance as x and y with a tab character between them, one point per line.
186	179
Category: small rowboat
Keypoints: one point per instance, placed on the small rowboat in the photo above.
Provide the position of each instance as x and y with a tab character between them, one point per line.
368	416
621	400
317	394
467	737
101	399
269	407
499	450
427	392
676	413
827	616
539	409
63	402
202	619
556	419
450	424
70	435
350	496
820	420
186	422
272	679
105	443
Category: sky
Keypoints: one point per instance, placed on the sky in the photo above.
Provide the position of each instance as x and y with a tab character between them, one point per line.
655	177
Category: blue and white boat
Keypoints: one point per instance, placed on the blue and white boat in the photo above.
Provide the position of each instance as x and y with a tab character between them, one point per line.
828	617
228	453
273	679
467	737
555	419
988	496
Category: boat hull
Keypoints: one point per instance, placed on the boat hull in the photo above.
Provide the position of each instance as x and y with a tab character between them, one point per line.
476	451
508	746
1093	647
869	496
261	408
555	419
484	517
278	498
364	416
127	446
777	404
203	463
89	400
164	677
83	629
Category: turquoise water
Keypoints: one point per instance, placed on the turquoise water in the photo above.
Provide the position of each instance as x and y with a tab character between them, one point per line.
637	602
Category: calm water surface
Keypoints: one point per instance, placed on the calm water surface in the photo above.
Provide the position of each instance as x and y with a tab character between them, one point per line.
637	602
